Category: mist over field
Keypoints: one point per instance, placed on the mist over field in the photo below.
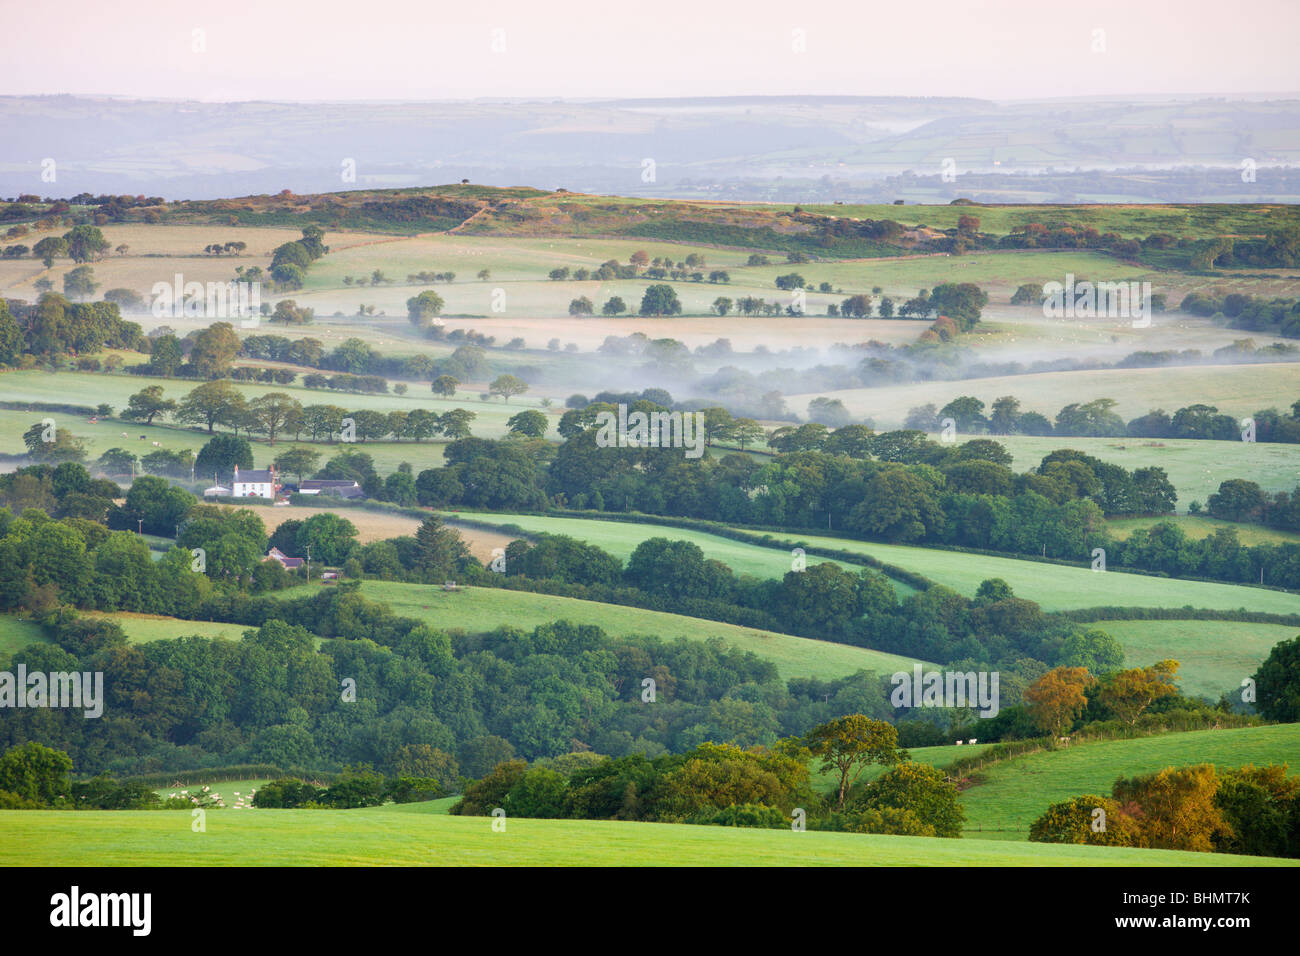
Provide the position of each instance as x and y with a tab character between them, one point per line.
730	433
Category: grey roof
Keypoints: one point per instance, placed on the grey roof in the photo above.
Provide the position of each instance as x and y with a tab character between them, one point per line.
254	477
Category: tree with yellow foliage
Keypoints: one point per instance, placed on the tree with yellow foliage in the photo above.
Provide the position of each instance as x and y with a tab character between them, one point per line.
1057	698
1129	693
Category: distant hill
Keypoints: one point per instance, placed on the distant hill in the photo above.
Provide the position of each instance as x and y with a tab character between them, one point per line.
778	148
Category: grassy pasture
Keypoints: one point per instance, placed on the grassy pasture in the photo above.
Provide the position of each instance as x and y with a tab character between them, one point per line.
1138	221
1061	587
1055	586
16	633
484	609
1215	655
1196	468
1235	389
621	539
1011	794
415	835
1199	526
829	781
157	252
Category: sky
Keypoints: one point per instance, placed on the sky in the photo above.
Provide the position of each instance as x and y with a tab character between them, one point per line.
403	50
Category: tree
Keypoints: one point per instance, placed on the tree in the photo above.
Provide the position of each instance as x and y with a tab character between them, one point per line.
330	537
922	789
439	550
297	461
423	308
117	461
148	403
209	403
272	411
85	243
614	305
848	745
1129	693
35	772
746	431
220	455
1236	500
1175	807
167	355
660	299
1094	649
507	386
1072	821
455	423
79	283
287	311
581	306
444	385
158	503
214	350
856	307
530	424
1057	698
722	305
48	443
1277	682
49	249
11	336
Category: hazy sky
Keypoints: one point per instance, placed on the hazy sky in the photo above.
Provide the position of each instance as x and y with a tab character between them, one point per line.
401	49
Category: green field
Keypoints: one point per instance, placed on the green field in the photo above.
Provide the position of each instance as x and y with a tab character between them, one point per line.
143	628
90	389
418	835
1196	468
485	609
1237	390
620	538
16	633
1215	655
1197	527
230	790
1011	794
931	756
1061	587
1054	586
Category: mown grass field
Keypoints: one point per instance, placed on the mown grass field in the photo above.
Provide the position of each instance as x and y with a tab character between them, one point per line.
1054	586
412	835
1011	794
485	609
1215	655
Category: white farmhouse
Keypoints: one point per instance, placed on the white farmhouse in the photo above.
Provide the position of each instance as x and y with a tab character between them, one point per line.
254	484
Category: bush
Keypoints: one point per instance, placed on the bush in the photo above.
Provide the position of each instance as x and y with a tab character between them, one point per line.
1073	821
754	815
919	788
